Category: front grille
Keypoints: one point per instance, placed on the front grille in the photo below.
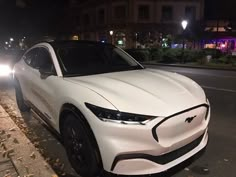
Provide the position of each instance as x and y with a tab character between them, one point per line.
166	158
154	129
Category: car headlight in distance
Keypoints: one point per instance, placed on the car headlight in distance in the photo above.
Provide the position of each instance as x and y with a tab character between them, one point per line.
115	115
5	70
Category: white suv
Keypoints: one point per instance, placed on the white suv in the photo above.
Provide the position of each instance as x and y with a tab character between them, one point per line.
112	113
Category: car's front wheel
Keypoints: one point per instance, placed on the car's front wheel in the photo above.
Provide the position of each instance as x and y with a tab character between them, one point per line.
81	149
20	99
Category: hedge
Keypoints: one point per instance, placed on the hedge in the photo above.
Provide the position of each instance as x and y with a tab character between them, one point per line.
177	55
139	54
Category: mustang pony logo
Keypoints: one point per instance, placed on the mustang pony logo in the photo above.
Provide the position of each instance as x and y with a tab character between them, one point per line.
190	119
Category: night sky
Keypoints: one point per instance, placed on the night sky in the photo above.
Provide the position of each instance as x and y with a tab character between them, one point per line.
220	9
30	17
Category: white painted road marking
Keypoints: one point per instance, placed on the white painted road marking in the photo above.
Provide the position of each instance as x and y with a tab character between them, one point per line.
218	89
196	73
203	74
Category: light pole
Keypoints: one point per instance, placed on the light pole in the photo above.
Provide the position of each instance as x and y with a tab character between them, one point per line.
111	34
184	24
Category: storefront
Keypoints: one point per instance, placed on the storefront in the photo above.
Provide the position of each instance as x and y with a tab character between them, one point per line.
226	44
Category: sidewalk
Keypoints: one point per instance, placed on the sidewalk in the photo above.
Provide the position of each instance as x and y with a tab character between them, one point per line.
190	66
7	168
18	156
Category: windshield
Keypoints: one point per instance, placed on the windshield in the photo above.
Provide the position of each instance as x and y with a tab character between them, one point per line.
87	59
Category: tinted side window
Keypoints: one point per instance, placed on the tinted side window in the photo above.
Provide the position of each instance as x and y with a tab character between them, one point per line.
44	60
30	56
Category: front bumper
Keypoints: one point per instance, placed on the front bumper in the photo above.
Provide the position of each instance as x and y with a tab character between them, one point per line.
134	150
144	164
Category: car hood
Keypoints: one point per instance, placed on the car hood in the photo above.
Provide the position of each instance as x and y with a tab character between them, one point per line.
146	91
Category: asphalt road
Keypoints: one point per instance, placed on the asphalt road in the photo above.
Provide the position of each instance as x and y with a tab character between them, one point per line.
219	159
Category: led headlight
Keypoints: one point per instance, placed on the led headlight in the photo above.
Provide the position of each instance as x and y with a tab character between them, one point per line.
5	70
108	114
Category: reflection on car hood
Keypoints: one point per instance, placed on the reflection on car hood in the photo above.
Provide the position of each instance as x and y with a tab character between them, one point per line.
147	91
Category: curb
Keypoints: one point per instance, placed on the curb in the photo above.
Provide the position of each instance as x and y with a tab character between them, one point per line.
27	161
187	66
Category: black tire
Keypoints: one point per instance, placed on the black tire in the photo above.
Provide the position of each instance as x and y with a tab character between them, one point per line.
20	99
81	148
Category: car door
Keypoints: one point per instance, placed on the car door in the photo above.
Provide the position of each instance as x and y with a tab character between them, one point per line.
24	73
43	86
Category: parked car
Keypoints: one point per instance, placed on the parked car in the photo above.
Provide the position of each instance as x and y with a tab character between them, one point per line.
6	68
112	113
7	61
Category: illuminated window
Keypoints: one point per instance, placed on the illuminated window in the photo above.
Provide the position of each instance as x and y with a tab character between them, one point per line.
75	37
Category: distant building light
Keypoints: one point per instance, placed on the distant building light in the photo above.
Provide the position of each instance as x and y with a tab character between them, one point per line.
6	42
11	39
223	45
75	37
174	46
120	42
103	41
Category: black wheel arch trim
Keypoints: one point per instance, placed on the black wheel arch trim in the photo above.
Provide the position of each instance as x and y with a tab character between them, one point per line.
154	134
16	82
70	108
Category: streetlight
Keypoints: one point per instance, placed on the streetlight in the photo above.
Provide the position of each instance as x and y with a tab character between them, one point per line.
136	40
184	24
11	39
111	34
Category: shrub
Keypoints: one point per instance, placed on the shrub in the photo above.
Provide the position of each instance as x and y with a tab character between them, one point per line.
171	55
141	55
156	54
215	53
227	59
193	55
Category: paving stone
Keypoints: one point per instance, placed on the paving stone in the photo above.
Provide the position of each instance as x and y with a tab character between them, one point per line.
6	167
23	148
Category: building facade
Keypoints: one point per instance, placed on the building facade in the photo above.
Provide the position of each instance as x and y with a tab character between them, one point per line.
220	34
133	23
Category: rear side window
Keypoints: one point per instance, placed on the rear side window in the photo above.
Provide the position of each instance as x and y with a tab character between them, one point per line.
30	56
44	60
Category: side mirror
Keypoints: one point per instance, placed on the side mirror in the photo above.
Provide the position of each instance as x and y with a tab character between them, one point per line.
45	72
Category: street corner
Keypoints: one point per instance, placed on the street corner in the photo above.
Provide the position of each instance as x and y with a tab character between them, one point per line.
18	156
